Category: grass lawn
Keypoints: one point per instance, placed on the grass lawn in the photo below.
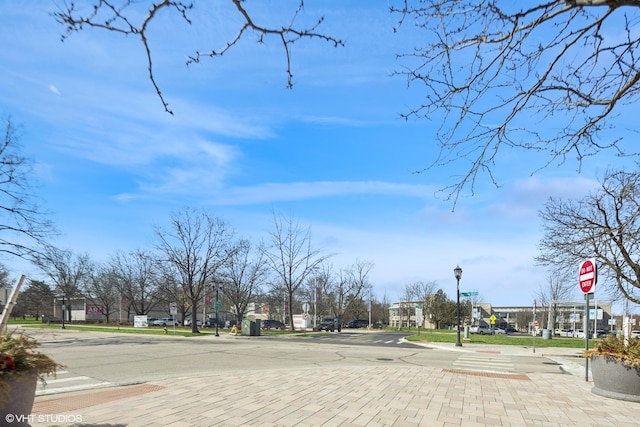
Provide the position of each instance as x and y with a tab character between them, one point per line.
430	335
183	331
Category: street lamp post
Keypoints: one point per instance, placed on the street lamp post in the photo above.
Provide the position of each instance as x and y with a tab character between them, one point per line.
315	295
64	307
217	307
458	273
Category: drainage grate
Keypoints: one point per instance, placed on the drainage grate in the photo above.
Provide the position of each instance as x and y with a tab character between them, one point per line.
488	374
384	359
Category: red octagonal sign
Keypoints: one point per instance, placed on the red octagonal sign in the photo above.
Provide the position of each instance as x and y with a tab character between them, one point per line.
587	275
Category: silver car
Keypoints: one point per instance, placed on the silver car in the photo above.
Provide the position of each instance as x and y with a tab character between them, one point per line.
165	321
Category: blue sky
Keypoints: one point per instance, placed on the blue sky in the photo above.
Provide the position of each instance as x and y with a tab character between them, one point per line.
333	152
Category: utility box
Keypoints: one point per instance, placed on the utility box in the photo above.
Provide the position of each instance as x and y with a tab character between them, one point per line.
251	327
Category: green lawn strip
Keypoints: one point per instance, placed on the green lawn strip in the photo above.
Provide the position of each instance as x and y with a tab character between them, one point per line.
180	331
450	337
153	330
20	321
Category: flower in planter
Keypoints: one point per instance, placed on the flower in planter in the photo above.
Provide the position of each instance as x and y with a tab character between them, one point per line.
7	363
19	356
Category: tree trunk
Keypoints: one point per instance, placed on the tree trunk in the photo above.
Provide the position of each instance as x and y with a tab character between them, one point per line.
194	316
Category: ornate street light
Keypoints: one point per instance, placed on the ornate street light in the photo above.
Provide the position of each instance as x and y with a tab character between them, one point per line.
218	287
64	308
458	273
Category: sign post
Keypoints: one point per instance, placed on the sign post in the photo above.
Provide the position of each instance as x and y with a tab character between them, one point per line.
534	331
173	310
587	277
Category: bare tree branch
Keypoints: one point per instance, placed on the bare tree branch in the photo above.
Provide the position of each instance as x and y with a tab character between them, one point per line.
24	226
105	15
547	78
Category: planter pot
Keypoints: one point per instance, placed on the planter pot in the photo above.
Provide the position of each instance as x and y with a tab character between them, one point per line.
615	380
22	392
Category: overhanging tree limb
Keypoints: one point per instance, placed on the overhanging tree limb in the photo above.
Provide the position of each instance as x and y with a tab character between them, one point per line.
548	78
106	16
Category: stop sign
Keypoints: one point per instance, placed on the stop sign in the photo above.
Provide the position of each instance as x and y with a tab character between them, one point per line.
587	275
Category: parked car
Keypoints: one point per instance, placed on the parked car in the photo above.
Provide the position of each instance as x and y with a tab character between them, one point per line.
479	329
498	331
271	324
165	321
378	325
188	322
357	323
211	323
330	324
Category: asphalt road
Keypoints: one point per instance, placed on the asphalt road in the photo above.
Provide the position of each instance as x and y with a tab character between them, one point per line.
95	359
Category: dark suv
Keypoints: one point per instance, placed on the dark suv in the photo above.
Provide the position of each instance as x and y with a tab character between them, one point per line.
357	323
330	324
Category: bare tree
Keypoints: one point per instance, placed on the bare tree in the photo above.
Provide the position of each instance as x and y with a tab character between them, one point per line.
424	292
360	284
556	289
243	276
101	289
197	245
136	19
24	227
68	272
291	256
604	225
380	310
497	70
344	292
137	280
410	293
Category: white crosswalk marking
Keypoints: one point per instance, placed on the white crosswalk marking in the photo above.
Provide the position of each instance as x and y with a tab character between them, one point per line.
66	381
397	341
484	362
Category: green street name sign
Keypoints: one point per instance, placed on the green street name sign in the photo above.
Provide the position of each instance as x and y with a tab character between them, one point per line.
469	294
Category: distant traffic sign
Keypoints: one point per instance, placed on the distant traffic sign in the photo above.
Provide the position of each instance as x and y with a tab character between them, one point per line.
587	275
468	294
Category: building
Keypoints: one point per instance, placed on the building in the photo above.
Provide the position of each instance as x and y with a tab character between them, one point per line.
408	314
558	315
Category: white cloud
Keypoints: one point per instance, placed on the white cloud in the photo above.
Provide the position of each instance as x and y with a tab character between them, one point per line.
277	192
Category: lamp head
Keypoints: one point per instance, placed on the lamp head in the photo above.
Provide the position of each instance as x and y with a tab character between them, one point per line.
457	272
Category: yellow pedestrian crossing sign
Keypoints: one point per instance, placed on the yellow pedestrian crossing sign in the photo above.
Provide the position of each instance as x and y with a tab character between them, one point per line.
493	319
